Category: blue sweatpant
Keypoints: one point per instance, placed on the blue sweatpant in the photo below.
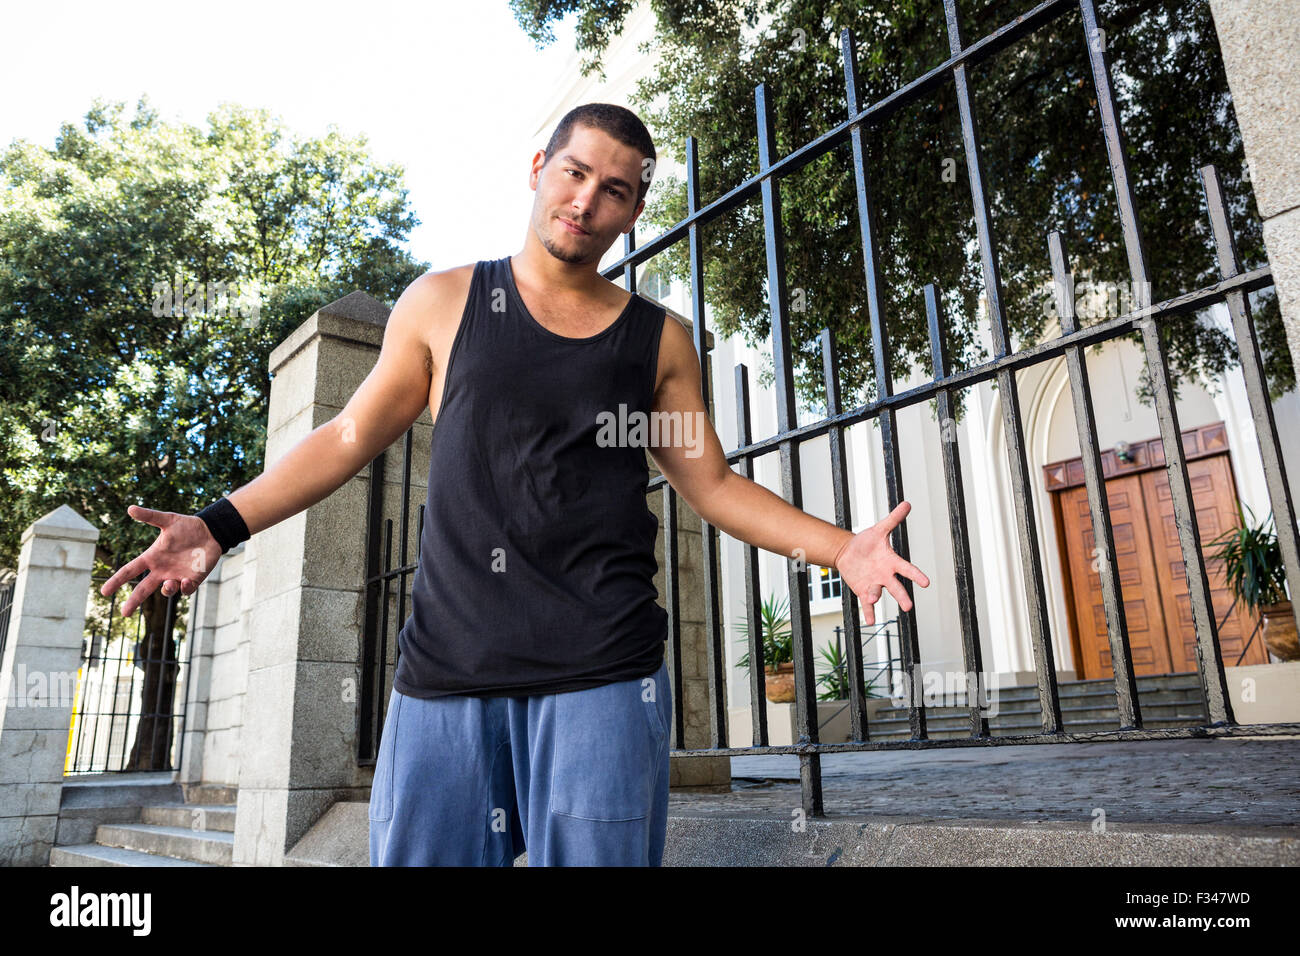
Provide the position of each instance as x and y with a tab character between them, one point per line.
577	778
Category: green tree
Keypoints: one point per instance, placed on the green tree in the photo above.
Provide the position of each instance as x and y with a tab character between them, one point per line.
1044	158
126	374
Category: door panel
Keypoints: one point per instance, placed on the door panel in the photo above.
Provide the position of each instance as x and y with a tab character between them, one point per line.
1214	494
1143	610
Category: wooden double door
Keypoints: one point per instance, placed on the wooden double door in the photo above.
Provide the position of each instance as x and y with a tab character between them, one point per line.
1162	636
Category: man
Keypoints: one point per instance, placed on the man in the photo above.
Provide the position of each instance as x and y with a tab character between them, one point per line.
531	705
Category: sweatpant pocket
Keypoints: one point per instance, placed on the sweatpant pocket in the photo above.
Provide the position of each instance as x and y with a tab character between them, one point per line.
381	790
606	749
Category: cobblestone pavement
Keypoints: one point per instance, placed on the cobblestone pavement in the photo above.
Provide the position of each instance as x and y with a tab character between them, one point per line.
1239	782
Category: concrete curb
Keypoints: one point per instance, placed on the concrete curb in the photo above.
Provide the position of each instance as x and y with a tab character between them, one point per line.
711	840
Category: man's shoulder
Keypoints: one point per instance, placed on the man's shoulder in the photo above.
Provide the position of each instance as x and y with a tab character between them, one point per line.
441	294
444	282
677	355
432	303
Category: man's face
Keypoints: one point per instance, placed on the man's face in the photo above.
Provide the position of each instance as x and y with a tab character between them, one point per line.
586	195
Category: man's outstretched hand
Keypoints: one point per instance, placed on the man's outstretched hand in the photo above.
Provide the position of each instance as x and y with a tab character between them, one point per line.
178	560
867	564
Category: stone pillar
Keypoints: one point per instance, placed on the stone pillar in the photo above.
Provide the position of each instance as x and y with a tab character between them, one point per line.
304	605
1259	40
38	680
703	773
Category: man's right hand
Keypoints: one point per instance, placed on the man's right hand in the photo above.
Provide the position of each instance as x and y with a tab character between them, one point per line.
181	557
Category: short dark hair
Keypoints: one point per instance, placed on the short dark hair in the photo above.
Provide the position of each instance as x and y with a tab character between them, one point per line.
620	123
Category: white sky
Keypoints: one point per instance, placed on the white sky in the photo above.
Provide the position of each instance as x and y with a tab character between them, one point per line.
451	90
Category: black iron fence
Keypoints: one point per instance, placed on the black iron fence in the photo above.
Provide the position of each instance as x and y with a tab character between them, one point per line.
878	676
1145	319
130	707
8	580
379	595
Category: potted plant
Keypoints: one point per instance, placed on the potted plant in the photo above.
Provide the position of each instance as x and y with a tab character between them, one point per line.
778	649
835	680
1252	564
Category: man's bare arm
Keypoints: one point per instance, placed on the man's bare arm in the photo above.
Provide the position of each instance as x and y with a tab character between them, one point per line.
746	510
383	407
386	403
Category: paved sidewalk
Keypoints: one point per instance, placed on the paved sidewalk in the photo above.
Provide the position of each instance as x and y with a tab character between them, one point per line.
1243	782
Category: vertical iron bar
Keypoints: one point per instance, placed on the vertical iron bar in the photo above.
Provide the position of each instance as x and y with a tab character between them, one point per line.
671	586
370	715
1252	370
103	668
1085	423
791	480
83	696
406	522
965	579
1021	487
629	270
1209	657
130	699
6	609
908	639
381	673
708	533
185	695
169	620
80	707
753	581
844	518
889	656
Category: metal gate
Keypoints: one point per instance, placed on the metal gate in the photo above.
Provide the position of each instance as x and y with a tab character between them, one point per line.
126	715
1145	319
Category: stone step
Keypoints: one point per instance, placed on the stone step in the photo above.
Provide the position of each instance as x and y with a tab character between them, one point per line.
198	817
207	846
900	729
1172	710
1034	720
94	854
1163	699
121	789
210	793
1103	692
1145	684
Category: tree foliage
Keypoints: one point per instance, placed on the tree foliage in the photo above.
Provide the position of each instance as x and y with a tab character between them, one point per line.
1042	150
104	403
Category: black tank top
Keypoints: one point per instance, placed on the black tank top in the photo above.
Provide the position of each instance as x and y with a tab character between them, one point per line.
537	562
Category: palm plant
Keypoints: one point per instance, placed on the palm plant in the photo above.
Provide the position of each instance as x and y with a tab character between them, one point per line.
835	680
1252	562
778	638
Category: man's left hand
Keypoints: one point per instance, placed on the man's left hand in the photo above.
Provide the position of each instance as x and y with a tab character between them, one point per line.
867	564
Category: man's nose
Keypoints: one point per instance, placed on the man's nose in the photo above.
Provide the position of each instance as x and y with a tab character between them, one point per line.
584	201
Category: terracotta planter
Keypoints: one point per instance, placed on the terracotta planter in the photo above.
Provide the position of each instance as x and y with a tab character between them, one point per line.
779	686
1279	631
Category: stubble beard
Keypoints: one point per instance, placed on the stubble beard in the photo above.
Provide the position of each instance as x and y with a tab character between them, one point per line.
554	248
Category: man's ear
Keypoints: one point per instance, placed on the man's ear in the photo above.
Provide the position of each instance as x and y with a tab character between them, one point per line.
635	215
535	171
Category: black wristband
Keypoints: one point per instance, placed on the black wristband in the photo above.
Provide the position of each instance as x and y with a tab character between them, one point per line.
225	523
